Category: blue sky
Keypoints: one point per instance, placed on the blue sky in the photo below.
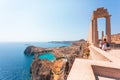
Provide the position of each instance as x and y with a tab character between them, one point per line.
47	20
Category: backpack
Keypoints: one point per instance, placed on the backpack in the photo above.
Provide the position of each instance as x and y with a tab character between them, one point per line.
108	45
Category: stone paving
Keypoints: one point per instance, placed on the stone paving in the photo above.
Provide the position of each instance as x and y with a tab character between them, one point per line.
84	69
115	53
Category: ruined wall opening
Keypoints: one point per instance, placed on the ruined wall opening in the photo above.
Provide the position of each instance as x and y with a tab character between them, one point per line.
94	36
101	27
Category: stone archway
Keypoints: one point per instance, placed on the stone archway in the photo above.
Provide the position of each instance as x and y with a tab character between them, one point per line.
100	13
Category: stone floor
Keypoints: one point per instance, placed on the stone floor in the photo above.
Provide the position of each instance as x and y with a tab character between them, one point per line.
115	53
105	78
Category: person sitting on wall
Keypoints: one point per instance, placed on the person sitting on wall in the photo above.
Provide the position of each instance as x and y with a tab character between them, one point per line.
108	46
100	44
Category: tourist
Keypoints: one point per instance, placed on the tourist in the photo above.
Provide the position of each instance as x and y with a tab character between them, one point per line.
100	44
104	46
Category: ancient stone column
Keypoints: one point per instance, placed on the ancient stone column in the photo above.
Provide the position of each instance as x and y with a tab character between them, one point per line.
93	31
96	33
108	29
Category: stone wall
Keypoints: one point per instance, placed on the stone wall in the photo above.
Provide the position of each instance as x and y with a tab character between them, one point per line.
115	38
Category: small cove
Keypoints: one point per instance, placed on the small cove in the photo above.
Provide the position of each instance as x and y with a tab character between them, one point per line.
49	56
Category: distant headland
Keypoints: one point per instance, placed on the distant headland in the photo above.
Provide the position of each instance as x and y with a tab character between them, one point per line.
66	42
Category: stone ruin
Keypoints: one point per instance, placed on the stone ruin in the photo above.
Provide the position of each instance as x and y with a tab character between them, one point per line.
93	36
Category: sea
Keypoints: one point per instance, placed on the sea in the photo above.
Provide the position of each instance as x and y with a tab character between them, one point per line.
14	64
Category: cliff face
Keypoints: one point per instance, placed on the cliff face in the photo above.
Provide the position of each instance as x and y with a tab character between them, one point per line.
30	50
58	69
47	70
41	70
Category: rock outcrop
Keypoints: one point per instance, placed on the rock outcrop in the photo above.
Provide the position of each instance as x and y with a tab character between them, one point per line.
58	69
41	70
31	50
47	70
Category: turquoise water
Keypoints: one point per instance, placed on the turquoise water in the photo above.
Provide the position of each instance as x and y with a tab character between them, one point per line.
48	56
14	65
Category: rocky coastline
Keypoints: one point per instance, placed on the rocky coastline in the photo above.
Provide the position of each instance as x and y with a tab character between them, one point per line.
59	68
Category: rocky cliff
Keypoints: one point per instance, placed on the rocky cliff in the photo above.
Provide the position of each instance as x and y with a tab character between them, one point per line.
47	70
60	68
41	70
30	50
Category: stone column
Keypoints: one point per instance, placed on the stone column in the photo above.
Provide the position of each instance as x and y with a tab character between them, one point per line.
96	33
108	29
93	32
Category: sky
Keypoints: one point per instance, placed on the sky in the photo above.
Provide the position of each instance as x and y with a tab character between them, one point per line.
52	20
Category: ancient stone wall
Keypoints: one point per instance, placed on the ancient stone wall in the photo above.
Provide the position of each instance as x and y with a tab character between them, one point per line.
115	38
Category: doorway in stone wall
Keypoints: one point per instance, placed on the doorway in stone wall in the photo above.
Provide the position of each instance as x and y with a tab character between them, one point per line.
101	27
100	13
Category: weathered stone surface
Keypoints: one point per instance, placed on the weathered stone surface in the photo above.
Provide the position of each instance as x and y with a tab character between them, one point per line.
115	38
